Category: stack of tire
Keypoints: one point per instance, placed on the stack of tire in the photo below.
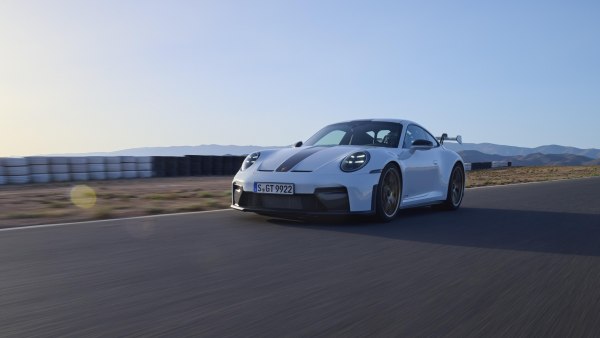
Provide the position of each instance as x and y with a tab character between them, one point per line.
113	167
39	169
207	165
59	169
128	167
183	166
195	165
96	168
79	169
144	166
2	173
16	170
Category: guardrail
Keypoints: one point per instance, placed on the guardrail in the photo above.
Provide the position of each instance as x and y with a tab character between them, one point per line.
39	169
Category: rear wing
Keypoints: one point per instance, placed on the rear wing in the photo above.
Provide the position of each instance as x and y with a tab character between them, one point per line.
445	137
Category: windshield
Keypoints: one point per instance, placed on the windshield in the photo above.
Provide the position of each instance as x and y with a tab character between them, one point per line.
363	133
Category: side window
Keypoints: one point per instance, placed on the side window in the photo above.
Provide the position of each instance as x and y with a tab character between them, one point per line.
414	133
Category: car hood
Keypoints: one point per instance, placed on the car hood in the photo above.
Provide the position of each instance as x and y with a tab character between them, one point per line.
305	158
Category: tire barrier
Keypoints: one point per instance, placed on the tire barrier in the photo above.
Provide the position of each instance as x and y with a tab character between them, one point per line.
59	169
183	166
227	165
217	168
195	165
158	166
39	169
96	167
113	167
129	167
78	168
487	165
16	170
171	166
2	177
143	166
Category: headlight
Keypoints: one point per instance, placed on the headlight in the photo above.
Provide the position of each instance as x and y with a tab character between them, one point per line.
354	162
249	161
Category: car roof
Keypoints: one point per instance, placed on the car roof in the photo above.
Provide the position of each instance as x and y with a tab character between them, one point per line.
401	121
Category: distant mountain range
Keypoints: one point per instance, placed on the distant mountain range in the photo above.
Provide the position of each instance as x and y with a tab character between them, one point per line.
497	149
535	159
471	152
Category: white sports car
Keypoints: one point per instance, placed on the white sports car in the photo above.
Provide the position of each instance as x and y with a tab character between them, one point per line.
357	167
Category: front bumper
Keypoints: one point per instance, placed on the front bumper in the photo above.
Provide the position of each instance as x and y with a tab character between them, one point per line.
314	193
324	201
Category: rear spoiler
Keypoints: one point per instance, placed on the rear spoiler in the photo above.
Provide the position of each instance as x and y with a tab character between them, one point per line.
445	137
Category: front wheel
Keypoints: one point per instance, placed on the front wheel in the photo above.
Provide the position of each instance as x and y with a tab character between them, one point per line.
389	193
456	188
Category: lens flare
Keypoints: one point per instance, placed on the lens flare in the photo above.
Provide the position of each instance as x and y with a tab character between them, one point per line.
83	196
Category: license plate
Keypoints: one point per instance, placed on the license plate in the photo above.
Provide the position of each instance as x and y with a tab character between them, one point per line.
274	188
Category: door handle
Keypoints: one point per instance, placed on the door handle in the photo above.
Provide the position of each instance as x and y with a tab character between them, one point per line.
435	163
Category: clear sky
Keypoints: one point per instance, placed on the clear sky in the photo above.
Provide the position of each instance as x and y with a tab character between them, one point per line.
83	76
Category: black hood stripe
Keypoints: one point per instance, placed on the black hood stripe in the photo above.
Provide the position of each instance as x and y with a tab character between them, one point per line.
297	158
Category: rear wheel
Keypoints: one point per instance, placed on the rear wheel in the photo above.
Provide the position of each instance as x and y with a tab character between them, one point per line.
456	189
389	193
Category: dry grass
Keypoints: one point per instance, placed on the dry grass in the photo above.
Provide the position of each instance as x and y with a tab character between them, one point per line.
51	203
512	175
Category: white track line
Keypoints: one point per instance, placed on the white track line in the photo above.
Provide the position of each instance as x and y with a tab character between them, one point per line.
110	220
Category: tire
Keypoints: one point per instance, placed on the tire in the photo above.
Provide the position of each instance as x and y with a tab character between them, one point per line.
79	168
128	166
143	159
77	160
80	176
39	169
58	160
144	174
144	166
40	178
37	160
61	177
96	167
112	160
14	162
114	175
456	189
24	179
59	168
389	193
98	175
95	160
113	167
17	171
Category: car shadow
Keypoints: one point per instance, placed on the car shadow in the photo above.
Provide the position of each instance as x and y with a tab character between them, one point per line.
535	231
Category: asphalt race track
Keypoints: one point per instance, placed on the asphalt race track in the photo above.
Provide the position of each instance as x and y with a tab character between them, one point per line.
520	260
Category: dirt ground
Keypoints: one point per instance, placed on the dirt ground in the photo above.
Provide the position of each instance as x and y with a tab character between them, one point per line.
512	175
70	202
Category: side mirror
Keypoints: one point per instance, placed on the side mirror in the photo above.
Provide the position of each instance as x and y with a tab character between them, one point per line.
422	144
298	144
